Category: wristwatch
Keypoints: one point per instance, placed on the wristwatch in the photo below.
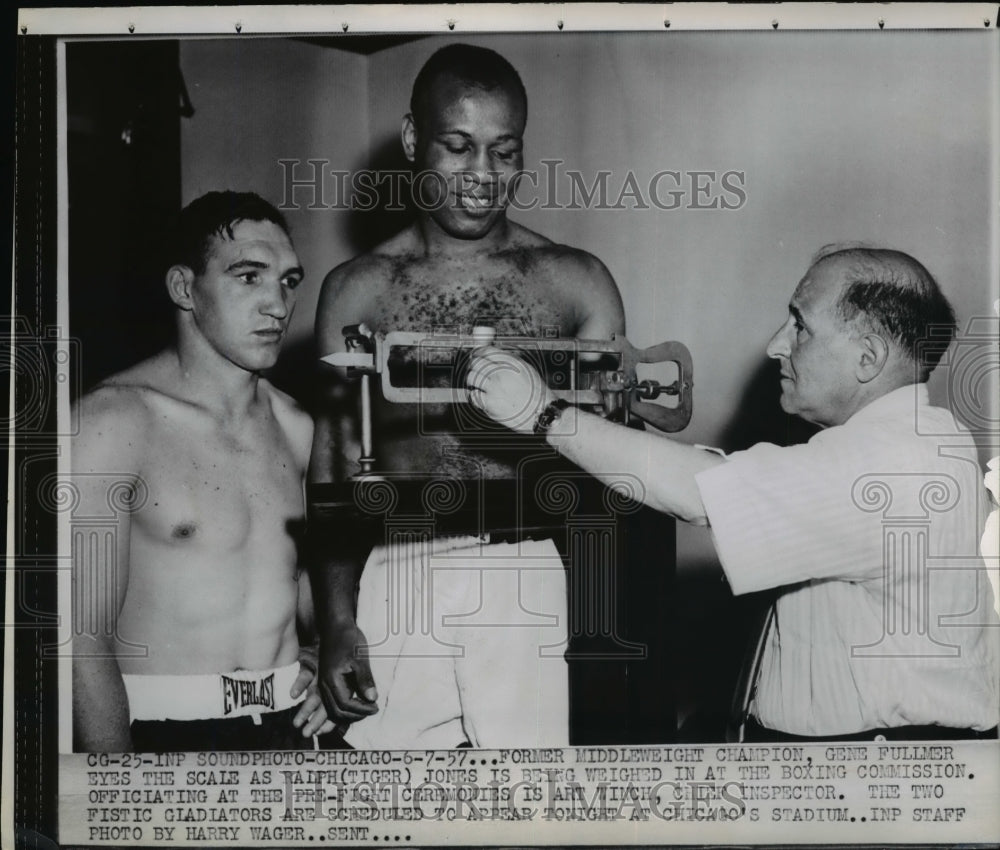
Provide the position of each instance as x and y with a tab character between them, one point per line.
553	410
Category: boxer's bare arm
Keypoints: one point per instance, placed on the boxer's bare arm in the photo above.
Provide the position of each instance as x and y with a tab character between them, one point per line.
348	290
311	717
600	312
102	458
298	428
337	558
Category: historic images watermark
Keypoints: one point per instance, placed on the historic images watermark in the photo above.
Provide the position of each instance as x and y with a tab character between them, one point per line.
313	184
39	360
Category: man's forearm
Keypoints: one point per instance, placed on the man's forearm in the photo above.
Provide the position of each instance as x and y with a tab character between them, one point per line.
345	679
334	561
665	467
337	558
335	580
100	703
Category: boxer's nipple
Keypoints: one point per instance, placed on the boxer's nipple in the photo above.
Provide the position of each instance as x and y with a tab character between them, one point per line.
184	531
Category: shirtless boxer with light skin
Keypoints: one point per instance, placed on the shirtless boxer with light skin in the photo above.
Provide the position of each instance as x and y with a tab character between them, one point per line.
459	265
208	576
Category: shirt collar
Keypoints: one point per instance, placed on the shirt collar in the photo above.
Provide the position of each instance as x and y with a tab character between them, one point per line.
902	400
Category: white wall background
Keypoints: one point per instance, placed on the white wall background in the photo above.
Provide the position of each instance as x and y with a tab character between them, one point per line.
258	101
884	137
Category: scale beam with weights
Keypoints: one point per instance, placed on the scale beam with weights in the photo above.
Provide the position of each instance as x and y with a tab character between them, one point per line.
617	636
411	367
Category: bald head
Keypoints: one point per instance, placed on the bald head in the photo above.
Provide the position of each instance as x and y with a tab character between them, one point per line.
892	294
468	67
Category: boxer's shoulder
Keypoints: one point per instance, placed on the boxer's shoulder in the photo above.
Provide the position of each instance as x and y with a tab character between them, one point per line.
113	418
349	294
294	421
541	254
566	262
126	394
380	264
145	390
570	277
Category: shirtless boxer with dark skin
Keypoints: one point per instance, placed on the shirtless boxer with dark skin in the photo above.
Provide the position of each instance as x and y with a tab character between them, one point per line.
461	264
207	577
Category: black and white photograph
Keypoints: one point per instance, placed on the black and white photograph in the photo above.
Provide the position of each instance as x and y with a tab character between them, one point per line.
504	425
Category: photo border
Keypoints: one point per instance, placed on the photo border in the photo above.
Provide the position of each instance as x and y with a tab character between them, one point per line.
30	566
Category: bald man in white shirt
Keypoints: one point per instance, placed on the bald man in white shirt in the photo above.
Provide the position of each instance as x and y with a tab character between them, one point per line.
884	627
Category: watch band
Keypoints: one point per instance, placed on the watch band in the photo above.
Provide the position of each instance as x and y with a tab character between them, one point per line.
553	410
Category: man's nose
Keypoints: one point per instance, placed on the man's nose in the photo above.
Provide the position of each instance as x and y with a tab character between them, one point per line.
480	162
278	301
778	344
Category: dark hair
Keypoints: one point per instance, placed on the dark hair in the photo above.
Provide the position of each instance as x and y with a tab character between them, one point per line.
215	214
893	293
475	66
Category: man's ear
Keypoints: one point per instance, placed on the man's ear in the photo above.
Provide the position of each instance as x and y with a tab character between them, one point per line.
180	279
409	136
873	355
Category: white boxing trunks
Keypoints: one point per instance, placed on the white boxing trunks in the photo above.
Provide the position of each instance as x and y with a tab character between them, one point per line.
466	643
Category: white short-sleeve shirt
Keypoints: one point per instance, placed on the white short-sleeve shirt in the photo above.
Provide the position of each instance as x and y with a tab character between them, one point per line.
872	528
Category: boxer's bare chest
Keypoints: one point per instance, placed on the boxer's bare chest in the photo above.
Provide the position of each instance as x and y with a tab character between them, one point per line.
515	292
221	487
